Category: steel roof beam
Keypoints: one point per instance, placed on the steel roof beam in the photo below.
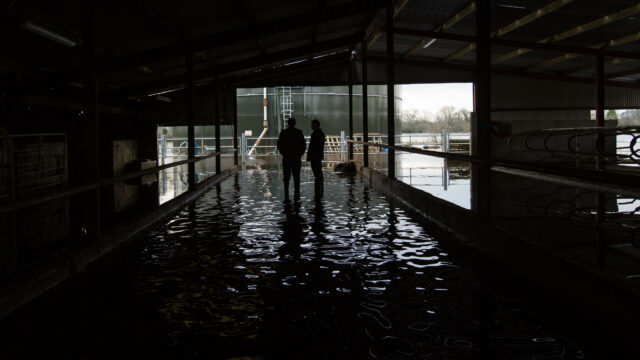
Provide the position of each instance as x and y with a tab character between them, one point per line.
515	73
259	30
551	7
592	67
447	24
252	63
631	72
400	4
568	56
520	44
575	31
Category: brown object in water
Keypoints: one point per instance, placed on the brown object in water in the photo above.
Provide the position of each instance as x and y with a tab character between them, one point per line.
345	167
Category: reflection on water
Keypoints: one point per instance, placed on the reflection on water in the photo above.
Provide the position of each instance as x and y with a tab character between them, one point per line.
445	179
239	273
174	181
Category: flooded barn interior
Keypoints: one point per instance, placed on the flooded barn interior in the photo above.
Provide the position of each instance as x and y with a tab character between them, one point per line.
143	211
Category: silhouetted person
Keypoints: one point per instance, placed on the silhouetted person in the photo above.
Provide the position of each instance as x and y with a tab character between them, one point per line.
291	146
315	155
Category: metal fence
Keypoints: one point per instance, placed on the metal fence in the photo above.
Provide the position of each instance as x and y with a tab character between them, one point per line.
31	167
610	145
334	145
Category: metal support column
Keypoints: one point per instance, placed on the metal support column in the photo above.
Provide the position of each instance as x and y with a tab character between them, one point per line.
91	171
235	126
601	242
391	109
600	148
190	104
365	106
350	146
216	109
480	179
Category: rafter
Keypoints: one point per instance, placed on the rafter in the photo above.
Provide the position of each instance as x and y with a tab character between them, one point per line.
568	56
447	24
286	24
585	68
248	14
376	35
575	31
520	44
631	72
551	7
344	42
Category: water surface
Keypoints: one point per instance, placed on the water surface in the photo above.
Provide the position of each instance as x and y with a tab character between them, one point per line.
242	274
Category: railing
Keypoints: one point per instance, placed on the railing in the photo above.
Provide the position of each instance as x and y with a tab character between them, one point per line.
12	207
618	224
33	166
458	142
581	144
268	146
200	147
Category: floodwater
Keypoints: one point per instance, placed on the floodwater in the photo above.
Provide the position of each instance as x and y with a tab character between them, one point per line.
242	274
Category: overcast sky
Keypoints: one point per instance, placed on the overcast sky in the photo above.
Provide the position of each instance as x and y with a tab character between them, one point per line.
431	97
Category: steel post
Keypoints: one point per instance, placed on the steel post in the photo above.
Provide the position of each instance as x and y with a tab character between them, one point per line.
91	171
480	173
190	111
365	106
216	111
235	127
391	112
350	149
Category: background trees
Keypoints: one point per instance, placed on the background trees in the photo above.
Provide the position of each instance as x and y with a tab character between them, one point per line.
446	118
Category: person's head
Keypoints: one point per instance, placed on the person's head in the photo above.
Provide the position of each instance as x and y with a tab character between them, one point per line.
291	122
315	124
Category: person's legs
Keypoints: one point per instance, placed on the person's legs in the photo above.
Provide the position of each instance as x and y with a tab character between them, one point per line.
316	167
286	171
295	170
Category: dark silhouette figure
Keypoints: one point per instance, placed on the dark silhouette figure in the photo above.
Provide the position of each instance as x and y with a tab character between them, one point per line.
291	146
315	155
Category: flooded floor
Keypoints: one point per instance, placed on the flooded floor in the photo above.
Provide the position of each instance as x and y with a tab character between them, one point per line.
242	274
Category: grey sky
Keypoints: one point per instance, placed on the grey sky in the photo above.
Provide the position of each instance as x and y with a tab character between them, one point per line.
431	97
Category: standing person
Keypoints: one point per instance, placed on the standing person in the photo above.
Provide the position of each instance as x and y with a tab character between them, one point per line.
291	146
315	155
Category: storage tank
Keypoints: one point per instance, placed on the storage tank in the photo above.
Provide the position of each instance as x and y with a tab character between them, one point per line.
329	104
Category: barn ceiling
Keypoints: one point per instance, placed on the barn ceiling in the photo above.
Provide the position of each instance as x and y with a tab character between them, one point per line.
142	44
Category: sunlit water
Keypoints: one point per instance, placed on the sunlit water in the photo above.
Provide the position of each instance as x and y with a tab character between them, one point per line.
240	273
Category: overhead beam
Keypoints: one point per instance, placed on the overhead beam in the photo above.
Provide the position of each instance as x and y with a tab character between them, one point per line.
380	21
574	31
253	80
149	10
586	68
256	62
447	24
568	56
515	72
252	22
520	44
549	8
625	73
287	24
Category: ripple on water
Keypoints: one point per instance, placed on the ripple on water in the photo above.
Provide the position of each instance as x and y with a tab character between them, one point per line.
350	270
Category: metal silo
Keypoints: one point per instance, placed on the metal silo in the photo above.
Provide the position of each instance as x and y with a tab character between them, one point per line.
329	104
